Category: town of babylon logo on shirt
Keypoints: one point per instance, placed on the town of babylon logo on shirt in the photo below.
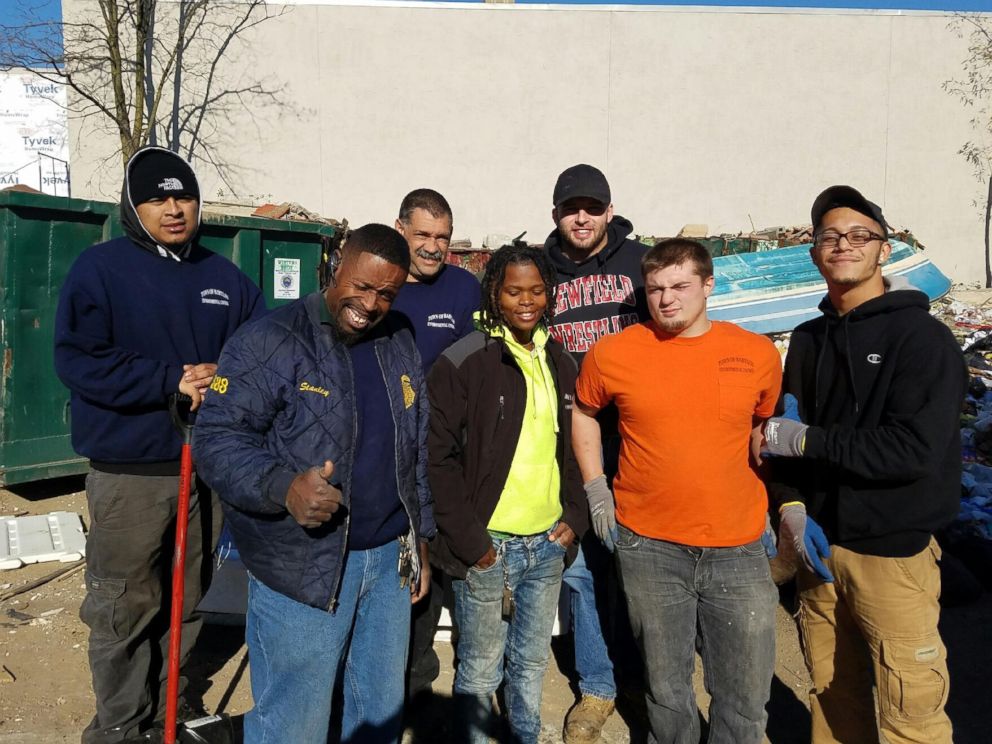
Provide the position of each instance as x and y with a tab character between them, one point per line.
214	297
441	320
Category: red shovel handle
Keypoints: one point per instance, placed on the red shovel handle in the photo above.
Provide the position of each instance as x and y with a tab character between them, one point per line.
178	566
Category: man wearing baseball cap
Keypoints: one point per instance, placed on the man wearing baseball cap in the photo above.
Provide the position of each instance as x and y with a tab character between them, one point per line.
866	467
600	292
140	318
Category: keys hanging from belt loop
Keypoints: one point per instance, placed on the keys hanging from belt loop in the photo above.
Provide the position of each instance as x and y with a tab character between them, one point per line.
509	606
405	567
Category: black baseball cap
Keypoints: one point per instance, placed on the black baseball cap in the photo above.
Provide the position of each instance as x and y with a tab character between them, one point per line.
846	196
581	181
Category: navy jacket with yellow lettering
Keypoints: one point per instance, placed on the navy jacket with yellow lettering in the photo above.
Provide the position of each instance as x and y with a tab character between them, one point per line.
282	402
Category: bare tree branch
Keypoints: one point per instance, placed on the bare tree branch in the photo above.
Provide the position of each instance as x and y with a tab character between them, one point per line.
136	67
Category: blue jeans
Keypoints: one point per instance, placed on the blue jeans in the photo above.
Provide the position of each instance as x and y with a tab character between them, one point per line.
728	594
532	567
592	659
297	653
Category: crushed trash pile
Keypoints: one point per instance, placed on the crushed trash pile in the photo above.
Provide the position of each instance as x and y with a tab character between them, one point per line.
966	567
969	316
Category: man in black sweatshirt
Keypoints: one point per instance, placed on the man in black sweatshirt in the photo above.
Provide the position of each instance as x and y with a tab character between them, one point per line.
866	466
140	318
600	292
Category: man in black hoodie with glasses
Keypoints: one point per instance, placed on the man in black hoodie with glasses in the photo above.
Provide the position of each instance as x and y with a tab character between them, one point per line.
866	467
600	292
140	318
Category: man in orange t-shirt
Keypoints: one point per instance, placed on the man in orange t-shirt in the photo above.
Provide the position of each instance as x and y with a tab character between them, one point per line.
689	508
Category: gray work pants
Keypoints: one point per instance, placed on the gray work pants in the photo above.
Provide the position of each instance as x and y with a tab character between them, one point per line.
129	552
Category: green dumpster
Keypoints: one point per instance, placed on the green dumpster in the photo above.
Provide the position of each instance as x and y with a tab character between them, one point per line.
40	237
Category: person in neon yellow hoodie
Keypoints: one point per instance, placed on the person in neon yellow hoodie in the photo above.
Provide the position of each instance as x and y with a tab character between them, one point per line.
509	501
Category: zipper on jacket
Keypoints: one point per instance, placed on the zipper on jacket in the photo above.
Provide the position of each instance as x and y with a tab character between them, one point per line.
415	550
501	408
347	517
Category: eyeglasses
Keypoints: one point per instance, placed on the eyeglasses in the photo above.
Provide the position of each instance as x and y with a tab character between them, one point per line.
857	238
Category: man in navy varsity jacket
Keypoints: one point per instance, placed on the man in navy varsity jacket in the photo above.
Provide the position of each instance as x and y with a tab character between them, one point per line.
140	318
439	299
317	445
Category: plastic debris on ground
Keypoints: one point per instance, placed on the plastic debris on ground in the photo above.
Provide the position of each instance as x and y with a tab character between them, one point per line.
47	537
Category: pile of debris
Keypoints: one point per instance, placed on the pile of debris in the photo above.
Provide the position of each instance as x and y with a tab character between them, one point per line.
967	564
295	212
968	313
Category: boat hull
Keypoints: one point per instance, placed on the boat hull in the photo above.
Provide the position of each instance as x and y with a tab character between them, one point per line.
774	291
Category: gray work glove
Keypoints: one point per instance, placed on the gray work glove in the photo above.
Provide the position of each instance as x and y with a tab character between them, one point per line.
603	510
806	536
785	435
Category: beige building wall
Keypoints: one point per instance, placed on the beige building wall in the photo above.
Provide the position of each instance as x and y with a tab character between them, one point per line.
718	116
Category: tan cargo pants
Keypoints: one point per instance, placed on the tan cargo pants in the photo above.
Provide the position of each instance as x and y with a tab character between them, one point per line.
877	624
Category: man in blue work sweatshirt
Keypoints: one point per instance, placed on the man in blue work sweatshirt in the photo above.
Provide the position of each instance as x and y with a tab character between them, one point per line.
439	300
140	318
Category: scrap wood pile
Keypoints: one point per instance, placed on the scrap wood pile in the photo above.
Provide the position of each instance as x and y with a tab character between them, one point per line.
297	213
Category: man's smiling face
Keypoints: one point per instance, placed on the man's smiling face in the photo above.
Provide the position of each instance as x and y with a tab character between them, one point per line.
364	288
842	264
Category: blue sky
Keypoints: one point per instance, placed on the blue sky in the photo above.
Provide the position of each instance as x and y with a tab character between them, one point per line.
10	9
966	5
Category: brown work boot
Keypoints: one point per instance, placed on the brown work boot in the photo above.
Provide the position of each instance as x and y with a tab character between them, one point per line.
585	720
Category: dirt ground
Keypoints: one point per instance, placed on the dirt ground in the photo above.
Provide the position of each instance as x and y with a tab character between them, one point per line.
45	695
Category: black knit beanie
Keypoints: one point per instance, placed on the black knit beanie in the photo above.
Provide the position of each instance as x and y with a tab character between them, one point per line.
159	174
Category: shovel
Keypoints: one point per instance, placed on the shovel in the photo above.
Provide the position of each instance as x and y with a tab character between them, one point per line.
215	729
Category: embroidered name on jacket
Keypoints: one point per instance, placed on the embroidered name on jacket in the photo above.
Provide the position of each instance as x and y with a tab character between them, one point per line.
214	297
306	387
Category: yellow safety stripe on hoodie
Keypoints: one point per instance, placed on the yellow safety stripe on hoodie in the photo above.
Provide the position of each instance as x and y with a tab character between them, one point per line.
530	499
